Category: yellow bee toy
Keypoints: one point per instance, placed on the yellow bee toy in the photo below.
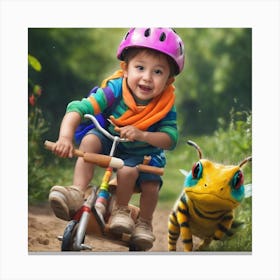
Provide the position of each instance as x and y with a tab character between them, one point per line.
205	207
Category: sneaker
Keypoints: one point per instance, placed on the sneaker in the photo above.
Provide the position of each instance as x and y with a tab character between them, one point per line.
121	221
143	236
66	201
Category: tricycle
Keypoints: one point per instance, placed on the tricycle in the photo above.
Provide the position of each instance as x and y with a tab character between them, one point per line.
88	220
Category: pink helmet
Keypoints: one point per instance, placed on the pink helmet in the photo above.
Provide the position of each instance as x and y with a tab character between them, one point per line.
164	40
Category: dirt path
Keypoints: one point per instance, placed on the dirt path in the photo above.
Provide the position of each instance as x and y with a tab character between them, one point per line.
44	227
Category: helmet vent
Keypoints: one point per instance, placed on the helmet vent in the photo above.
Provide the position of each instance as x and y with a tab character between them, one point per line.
147	32
126	35
181	49
162	37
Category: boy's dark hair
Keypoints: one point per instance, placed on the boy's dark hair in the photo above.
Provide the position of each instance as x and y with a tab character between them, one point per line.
130	53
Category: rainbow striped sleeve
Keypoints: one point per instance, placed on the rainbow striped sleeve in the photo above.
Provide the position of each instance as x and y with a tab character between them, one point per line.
95	103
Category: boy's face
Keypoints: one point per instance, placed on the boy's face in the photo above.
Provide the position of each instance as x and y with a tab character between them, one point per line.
147	75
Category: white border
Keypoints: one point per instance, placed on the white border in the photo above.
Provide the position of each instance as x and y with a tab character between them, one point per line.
17	16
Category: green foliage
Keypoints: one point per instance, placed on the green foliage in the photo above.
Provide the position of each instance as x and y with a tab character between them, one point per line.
237	136
38	178
75	60
34	63
216	78
37	126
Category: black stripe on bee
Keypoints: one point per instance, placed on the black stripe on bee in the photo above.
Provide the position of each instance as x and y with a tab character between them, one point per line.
173	220
222	228
185	241
201	215
227	217
184	224
183	199
174	223
173	215
171	232
183	211
172	239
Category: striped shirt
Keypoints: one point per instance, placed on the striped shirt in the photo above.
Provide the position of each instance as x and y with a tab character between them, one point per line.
109	101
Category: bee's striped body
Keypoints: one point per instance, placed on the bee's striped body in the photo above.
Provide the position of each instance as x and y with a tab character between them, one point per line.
205	208
186	219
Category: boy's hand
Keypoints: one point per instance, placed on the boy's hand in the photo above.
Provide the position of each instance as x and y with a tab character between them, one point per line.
63	147
131	133
157	139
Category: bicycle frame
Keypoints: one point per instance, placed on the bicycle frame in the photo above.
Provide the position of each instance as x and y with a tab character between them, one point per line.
104	187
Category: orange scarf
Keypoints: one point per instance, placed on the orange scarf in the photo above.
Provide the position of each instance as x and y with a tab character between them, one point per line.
142	117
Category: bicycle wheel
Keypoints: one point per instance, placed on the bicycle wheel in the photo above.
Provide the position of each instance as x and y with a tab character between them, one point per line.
69	236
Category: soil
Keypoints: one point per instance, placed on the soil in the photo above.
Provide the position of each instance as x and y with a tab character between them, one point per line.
44	227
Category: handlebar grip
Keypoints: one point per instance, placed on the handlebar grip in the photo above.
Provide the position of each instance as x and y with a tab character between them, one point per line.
150	169
98	159
49	146
103	160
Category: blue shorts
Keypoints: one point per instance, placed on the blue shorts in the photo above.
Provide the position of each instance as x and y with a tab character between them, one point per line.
129	160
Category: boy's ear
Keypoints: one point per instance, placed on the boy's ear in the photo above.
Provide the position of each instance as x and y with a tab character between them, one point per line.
124	68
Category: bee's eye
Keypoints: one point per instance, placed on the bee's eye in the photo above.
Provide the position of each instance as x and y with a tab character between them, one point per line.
237	180
197	170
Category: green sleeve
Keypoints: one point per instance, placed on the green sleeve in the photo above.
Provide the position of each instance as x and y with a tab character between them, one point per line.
82	107
173	134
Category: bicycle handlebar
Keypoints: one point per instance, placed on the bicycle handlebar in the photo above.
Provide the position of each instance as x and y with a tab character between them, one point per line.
108	161
102	130
98	159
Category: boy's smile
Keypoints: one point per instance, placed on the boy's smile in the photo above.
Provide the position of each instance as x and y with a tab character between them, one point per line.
145	88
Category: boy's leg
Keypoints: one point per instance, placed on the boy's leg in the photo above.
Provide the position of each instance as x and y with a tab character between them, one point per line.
121	220
143	235
65	201
148	199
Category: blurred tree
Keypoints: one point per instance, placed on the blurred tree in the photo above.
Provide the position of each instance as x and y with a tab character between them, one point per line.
38	178
216	79
75	60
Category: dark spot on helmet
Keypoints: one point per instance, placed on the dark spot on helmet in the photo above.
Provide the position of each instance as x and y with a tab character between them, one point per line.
162	37
147	32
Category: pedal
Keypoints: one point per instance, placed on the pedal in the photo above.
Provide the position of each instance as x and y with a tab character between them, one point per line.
60	237
86	247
